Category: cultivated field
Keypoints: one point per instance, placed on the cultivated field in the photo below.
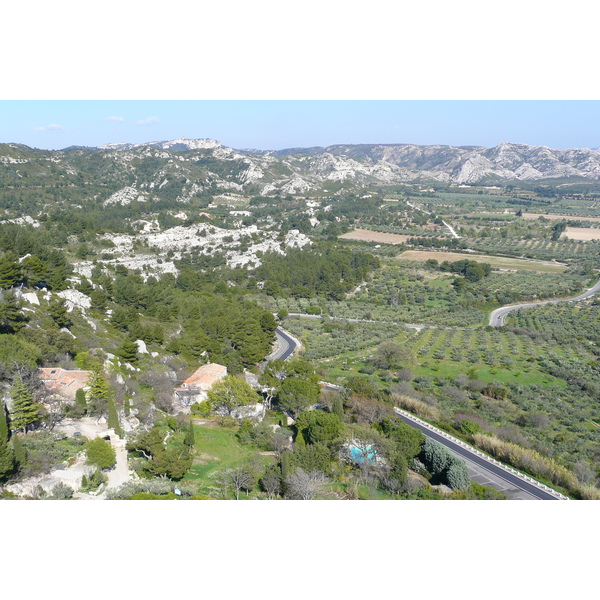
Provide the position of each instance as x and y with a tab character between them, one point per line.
582	233
533	216
365	235
509	264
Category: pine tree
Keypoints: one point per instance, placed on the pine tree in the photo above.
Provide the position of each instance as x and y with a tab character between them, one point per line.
128	351
10	271
57	309
25	410
11	317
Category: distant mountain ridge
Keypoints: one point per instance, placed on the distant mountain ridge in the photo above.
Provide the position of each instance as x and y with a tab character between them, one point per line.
183	168
472	164
455	164
176	145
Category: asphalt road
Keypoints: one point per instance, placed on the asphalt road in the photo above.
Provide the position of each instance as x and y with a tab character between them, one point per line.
497	316
496	477
285	346
481	470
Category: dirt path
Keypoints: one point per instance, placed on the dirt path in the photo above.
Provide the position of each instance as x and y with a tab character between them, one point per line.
73	474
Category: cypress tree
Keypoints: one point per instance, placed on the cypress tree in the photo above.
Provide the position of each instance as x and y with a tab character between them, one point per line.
7	459
338	408
285	464
98	394
19	451
25	409
80	402
3	423
127	406
113	417
300	441
190	437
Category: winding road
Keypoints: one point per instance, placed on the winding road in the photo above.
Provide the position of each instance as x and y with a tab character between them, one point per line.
482	469
497	316
286	345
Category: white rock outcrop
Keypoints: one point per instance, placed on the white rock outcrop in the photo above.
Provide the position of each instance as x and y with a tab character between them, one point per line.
75	299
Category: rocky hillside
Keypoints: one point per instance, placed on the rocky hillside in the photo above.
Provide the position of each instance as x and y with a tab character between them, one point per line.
471	164
182	169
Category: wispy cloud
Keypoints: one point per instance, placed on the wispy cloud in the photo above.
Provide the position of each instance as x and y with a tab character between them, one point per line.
148	121
115	119
51	127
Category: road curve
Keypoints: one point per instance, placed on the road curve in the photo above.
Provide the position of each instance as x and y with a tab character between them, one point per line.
497	316
285	346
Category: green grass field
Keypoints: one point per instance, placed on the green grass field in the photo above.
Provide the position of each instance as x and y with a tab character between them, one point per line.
496	261
218	449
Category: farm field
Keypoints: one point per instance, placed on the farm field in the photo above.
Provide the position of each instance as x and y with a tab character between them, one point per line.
582	233
365	235
533	216
496	261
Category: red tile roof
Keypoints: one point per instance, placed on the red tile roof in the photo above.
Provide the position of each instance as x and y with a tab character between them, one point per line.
63	381
205	376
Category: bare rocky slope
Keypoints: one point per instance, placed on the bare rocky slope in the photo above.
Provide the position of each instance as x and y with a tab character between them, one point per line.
182	169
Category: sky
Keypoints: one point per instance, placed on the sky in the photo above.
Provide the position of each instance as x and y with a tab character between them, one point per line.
278	124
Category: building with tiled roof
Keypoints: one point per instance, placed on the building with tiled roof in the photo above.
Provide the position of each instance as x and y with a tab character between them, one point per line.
195	388
64	382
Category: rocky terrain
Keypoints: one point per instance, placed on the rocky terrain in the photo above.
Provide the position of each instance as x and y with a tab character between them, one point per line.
183	169
241	247
471	164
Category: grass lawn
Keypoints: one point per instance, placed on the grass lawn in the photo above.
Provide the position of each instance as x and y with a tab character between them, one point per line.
218	449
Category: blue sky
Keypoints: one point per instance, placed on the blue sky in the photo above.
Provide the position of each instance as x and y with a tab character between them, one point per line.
277	124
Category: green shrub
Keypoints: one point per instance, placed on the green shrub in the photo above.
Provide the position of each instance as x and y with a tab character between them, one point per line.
61	491
202	409
101	454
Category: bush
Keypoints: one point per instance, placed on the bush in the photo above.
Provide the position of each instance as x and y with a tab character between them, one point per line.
202	409
527	460
94	481
61	491
101	454
457	475
159	487
415	406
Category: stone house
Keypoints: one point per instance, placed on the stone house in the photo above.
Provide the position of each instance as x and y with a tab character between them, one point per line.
195	388
64	382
